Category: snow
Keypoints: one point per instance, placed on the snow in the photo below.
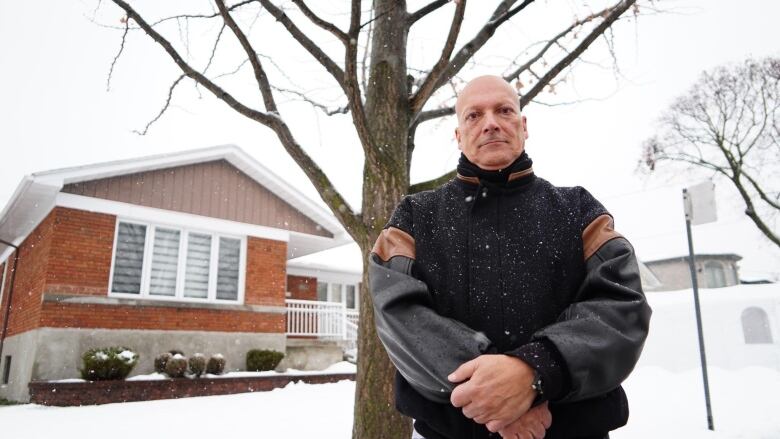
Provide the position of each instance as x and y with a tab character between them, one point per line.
127	356
663	404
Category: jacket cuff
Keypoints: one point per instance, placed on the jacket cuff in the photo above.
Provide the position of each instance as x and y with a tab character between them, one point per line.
543	356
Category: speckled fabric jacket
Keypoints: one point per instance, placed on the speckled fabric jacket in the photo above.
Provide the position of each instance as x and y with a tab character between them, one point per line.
505	262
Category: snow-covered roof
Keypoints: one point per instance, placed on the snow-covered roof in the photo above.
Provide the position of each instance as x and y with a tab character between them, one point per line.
36	194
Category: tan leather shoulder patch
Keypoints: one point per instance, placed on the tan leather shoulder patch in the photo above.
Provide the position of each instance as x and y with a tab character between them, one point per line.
598	232
394	242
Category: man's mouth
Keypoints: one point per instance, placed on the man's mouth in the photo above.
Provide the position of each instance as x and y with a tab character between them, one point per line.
492	143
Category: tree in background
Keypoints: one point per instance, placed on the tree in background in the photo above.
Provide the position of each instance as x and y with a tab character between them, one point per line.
728	124
364	54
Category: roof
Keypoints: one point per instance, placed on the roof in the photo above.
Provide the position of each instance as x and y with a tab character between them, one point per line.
37	193
699	257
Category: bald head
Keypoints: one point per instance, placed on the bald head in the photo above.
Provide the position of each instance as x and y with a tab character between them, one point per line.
480	85
491	132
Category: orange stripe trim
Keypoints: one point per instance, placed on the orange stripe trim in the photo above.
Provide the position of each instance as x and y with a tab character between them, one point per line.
523	173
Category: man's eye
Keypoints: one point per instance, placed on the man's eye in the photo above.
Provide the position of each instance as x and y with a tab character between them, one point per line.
471	116
507	110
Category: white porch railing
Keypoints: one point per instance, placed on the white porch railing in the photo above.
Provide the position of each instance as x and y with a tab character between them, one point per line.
321	319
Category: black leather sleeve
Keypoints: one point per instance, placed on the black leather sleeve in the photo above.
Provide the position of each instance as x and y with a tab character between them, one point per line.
601	334
424	346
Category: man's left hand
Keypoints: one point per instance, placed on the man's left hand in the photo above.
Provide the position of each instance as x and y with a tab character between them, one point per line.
498	390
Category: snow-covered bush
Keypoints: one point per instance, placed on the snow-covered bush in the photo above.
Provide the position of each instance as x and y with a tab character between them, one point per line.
176	366
197	364
216	364
160	361
110	363
262	359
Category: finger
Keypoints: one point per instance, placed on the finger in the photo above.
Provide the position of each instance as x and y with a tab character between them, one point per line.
470	411
538	430
496	425
545	415
463	372
461	396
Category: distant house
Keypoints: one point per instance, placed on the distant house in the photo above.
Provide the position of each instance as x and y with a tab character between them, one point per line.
712	271
187	250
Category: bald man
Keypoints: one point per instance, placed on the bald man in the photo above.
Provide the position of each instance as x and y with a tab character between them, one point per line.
509	306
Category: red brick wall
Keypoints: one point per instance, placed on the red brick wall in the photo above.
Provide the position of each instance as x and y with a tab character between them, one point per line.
30	278
106	392
266	269
81	250
70	253
63	315
302	288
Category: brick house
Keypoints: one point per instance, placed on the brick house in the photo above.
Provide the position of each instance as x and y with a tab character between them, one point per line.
187	250
713	270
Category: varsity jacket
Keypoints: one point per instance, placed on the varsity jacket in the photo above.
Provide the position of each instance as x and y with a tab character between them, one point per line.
505	262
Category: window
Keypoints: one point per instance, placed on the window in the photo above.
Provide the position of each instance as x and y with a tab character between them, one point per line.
6	369
755	326
715	275
338	292
172	263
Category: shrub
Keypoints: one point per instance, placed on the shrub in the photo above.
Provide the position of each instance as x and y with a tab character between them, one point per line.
176	366
161	361
110	363
197	364
261	359
216	364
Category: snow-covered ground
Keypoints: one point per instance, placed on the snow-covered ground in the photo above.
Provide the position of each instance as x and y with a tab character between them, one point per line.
663	405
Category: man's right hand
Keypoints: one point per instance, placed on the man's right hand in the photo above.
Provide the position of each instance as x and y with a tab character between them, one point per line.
531	425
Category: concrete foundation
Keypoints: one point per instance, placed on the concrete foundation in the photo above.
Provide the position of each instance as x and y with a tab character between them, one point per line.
310	354
55	353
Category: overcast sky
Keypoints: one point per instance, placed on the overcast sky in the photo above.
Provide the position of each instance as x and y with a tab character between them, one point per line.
55	111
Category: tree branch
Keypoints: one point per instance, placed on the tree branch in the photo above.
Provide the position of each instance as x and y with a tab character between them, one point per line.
554	41
431	184
164	108
121	48
428	87
338	205
610	18
330	27
425	10
500	16
434	114
188	16
257	67
315	51
324	108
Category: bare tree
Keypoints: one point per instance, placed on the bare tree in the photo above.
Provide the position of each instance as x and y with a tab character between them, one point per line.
385	97
728	124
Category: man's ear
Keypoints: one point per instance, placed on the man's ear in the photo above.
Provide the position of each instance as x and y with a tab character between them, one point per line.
524	122
457	137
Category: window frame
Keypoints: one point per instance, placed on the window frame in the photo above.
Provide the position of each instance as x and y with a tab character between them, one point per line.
146	267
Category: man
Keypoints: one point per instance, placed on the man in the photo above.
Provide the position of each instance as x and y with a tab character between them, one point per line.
504	301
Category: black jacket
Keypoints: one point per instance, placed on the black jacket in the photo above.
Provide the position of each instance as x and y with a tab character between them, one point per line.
514	266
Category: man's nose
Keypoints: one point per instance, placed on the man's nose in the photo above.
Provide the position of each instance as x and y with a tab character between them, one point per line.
490	123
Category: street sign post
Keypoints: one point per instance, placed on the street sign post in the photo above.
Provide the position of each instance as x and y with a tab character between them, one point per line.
699	202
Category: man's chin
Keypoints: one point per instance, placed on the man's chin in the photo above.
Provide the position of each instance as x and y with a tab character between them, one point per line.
496	161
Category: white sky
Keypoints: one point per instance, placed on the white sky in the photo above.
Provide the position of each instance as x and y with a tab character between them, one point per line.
55	111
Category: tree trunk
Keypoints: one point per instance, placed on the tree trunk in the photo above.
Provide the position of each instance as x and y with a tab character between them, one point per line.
385	181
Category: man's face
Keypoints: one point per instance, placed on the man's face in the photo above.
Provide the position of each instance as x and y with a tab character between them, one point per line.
491	132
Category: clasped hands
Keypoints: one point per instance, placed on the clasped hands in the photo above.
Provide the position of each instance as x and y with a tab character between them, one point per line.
495	390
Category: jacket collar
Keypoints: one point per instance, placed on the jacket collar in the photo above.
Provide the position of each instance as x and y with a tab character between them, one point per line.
517	174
